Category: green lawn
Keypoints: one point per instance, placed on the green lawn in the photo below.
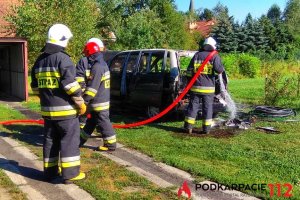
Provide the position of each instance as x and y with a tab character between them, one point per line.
247	157
7	114
250	91
105	180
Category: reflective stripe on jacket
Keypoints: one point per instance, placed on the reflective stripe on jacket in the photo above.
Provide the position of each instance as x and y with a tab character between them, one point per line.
53	77
97	93
205	83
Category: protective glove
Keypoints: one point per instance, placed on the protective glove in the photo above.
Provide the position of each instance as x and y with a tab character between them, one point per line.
82	109
78	101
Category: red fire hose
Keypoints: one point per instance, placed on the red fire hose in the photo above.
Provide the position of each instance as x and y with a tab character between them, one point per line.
25	121
147	121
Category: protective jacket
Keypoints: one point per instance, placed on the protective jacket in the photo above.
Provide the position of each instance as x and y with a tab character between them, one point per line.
97	92
205	83
83	71
97	95
53	78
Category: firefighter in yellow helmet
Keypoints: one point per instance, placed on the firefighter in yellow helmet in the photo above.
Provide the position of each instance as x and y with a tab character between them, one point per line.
203	89
53	78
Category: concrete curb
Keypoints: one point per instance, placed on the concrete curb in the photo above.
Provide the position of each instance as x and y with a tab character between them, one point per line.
72	190
14	174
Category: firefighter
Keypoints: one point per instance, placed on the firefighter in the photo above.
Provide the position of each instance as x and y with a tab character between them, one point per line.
83	70
53	79
97	97
203	89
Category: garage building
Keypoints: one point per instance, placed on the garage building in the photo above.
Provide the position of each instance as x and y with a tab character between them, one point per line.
13	69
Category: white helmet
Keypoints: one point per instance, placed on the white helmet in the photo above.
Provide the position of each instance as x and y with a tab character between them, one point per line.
210	41
97	41
59	34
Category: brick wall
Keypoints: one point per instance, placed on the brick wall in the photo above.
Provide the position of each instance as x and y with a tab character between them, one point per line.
5	6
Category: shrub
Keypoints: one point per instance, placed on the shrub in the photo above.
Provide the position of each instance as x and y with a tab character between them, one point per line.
236	65
282	85
230	62
249	66
184	62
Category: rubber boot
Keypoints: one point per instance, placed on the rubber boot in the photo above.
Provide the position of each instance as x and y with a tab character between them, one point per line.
79	177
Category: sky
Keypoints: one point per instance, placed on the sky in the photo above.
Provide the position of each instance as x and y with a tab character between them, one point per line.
237	8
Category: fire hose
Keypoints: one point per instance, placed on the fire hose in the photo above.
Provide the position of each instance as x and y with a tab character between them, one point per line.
272	112
147	121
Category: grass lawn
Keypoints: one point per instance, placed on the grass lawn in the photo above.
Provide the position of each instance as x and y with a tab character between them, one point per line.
248	157
7	114
8	186
105	180
245	158
250	91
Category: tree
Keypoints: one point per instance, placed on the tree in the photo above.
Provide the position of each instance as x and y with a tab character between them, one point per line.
206	15
255	39
174	24
292	18
146	31
117	16
269	32
220	10
33	19
274	13
223	31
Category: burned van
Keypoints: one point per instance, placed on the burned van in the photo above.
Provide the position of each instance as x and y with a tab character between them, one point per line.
148	79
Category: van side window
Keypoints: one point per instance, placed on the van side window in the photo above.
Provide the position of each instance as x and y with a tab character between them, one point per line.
117	62
132	61
143	63
157	61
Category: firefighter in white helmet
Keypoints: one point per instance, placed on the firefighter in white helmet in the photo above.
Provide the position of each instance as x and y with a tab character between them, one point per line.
203	89
53	78
97	97
83	71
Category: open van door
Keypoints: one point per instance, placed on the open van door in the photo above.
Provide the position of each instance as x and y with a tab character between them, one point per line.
115	66
146	87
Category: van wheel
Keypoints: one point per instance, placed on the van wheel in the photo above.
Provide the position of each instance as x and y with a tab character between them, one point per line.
152	111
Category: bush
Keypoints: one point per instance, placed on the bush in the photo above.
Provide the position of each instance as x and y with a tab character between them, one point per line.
241	65
282	85
249	66
230	62
184	62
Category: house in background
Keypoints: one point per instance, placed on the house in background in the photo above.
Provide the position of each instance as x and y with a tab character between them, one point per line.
13	59
202	26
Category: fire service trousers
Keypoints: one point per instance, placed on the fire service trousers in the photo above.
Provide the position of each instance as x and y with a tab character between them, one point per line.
193	108
61	139
101	121
82	120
